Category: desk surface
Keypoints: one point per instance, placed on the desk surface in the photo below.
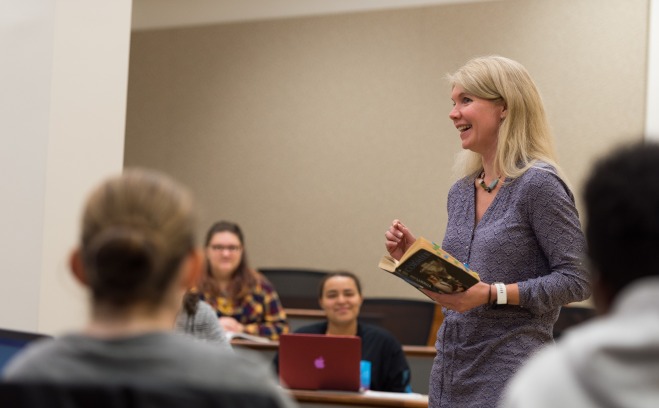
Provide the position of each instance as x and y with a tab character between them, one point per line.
309	313
367	399
423	351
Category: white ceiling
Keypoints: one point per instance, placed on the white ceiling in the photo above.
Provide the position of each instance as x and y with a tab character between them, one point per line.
150	14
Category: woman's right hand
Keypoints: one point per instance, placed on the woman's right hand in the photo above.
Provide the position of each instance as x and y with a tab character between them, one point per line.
398	239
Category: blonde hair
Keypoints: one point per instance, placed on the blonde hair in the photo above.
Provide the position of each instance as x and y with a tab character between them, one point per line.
136	230
524	135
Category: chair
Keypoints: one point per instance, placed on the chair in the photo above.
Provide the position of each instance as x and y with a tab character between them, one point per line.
409	320
41	395
571	316
297	288
437	321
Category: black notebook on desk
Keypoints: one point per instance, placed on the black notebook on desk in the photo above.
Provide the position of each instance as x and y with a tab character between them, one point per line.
12	342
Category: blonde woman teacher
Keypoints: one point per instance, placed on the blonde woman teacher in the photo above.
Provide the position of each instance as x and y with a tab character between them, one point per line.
512	219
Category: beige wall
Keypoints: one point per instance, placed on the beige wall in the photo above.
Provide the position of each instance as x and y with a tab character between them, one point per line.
314	133
62	121
652	99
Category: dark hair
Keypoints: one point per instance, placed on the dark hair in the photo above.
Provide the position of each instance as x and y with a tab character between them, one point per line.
622	213
345	274
136	230
243	278
191	302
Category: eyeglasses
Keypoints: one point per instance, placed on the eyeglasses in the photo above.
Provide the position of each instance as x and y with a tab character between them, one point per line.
230	248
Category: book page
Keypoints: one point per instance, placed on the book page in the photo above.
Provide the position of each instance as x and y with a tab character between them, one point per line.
245	336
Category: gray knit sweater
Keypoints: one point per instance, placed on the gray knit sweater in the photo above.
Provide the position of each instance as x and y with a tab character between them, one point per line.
203	325
163	359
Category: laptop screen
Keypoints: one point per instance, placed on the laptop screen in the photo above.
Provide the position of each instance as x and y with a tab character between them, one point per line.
320	362
11	342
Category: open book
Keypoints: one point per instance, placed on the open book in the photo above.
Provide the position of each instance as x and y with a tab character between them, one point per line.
427	266
245	336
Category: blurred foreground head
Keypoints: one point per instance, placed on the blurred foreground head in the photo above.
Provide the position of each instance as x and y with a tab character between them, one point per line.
137	230
622	219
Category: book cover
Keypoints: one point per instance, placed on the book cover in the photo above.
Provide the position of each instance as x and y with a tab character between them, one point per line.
426	265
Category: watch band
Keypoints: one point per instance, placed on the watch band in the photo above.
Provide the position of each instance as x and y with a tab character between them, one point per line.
502	294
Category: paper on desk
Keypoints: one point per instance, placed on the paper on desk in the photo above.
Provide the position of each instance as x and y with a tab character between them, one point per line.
245	336
396	395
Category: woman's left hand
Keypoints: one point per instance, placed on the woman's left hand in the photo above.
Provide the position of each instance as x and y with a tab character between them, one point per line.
477	295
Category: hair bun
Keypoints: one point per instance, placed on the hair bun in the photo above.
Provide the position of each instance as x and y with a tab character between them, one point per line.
120	257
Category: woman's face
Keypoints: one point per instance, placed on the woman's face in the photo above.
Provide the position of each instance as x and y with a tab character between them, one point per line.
341	300
478	121
224	252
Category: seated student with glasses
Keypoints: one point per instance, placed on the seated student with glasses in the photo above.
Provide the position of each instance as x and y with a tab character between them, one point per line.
245	301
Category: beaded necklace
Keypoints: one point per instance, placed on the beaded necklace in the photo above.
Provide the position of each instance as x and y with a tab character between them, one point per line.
481	182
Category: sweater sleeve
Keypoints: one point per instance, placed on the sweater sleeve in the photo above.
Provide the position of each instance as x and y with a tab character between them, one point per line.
554	219
209	325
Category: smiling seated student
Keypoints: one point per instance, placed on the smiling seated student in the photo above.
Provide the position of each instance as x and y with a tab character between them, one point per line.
340	296
137	257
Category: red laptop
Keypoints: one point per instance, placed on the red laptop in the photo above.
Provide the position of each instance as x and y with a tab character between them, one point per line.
319	362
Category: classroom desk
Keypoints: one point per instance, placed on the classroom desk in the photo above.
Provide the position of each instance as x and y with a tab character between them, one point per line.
327	399
418	357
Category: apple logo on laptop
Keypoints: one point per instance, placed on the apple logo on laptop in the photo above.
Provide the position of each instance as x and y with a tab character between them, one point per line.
319	363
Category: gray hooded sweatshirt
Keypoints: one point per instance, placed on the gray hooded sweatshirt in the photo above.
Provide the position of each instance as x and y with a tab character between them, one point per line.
611	361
